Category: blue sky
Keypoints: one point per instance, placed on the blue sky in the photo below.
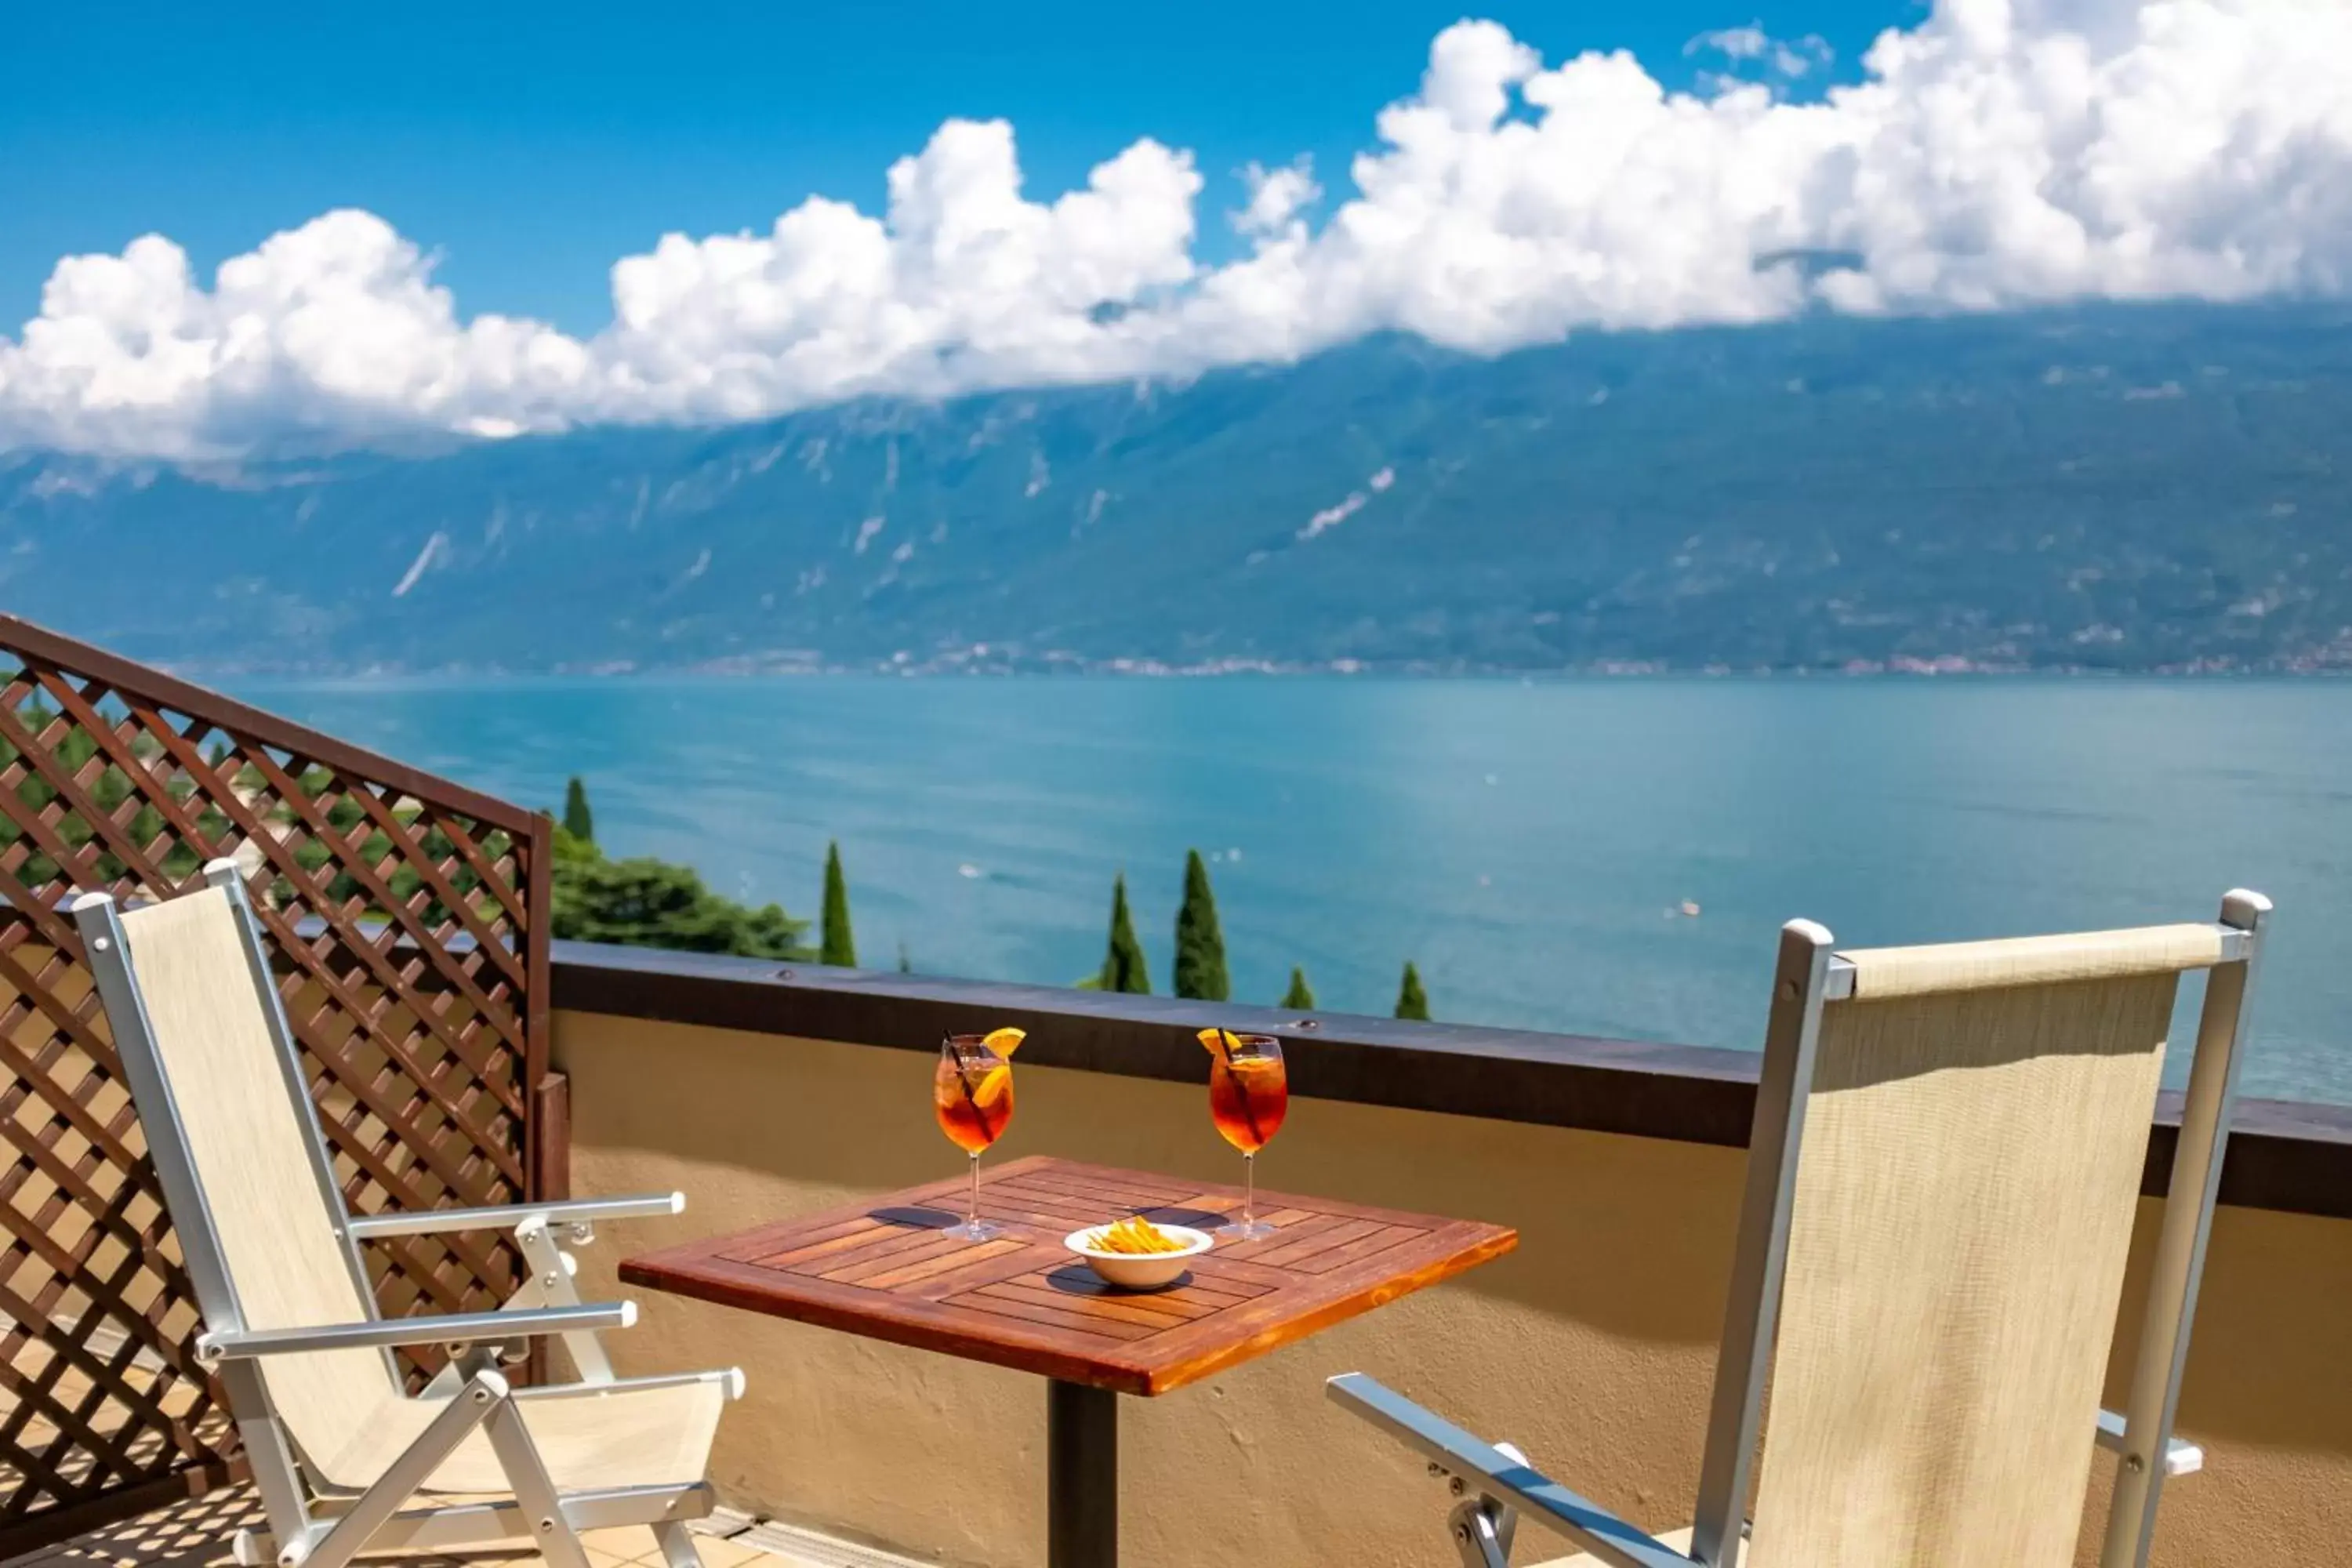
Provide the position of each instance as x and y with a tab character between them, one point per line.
530	144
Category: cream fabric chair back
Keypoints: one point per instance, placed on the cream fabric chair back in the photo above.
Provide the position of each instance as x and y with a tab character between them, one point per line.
248	1131
1964	1195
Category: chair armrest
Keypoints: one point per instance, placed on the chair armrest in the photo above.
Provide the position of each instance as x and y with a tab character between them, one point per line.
457	1327
566	1211
2179	1458
1483	1466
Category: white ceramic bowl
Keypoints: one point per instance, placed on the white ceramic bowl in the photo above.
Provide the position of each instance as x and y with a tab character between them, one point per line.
1140	1270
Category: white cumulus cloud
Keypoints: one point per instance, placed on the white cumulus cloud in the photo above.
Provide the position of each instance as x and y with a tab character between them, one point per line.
1751	48
2000	153
1275	197
332	328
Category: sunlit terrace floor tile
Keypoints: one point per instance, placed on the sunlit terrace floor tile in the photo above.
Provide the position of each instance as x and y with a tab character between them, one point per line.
198	1533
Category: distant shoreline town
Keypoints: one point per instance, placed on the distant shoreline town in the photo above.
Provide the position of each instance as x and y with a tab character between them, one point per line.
1950	666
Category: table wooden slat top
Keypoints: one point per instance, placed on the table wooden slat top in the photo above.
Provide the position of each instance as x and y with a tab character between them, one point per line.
882	1268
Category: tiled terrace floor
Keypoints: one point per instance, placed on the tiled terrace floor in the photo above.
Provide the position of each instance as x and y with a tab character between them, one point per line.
196	1533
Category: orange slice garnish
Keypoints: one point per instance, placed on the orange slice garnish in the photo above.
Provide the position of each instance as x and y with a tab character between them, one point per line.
993	1088
1004	1042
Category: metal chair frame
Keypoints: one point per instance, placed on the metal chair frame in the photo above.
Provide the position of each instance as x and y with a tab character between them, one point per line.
1494	1483
316	1524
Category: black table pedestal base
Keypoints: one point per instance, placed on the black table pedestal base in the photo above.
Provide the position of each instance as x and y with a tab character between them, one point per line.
1081	1476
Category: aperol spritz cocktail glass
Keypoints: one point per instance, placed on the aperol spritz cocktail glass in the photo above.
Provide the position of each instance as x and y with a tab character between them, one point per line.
1249	1094
972	1091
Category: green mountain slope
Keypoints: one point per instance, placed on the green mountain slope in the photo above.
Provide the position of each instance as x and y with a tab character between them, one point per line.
2158	486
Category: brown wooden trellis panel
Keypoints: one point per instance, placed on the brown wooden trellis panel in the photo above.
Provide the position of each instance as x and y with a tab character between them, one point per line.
406	916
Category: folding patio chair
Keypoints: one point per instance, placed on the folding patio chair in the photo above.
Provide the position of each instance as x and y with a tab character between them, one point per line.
1942	1180
289	1325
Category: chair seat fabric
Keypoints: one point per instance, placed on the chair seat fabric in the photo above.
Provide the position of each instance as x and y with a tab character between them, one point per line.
627	1438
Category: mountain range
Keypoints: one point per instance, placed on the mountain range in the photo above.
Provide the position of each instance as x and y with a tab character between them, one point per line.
2158	487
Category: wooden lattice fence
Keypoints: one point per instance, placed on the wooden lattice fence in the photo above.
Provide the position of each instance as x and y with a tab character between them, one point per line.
405	917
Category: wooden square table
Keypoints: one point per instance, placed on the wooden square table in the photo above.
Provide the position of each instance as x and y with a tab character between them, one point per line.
882	1268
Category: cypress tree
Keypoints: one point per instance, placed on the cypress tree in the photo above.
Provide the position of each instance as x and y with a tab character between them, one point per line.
578	820
1199	945
839	945
1300	995
1123	967
1413	1002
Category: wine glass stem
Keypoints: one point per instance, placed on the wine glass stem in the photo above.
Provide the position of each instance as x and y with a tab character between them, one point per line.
1249	1188
971	1215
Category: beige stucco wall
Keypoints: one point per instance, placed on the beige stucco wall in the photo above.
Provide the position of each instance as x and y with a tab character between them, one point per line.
1592	1347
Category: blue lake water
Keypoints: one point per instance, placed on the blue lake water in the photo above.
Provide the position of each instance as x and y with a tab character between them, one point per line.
1525	843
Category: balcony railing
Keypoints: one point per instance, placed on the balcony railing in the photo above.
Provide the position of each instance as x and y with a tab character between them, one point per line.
768	1091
